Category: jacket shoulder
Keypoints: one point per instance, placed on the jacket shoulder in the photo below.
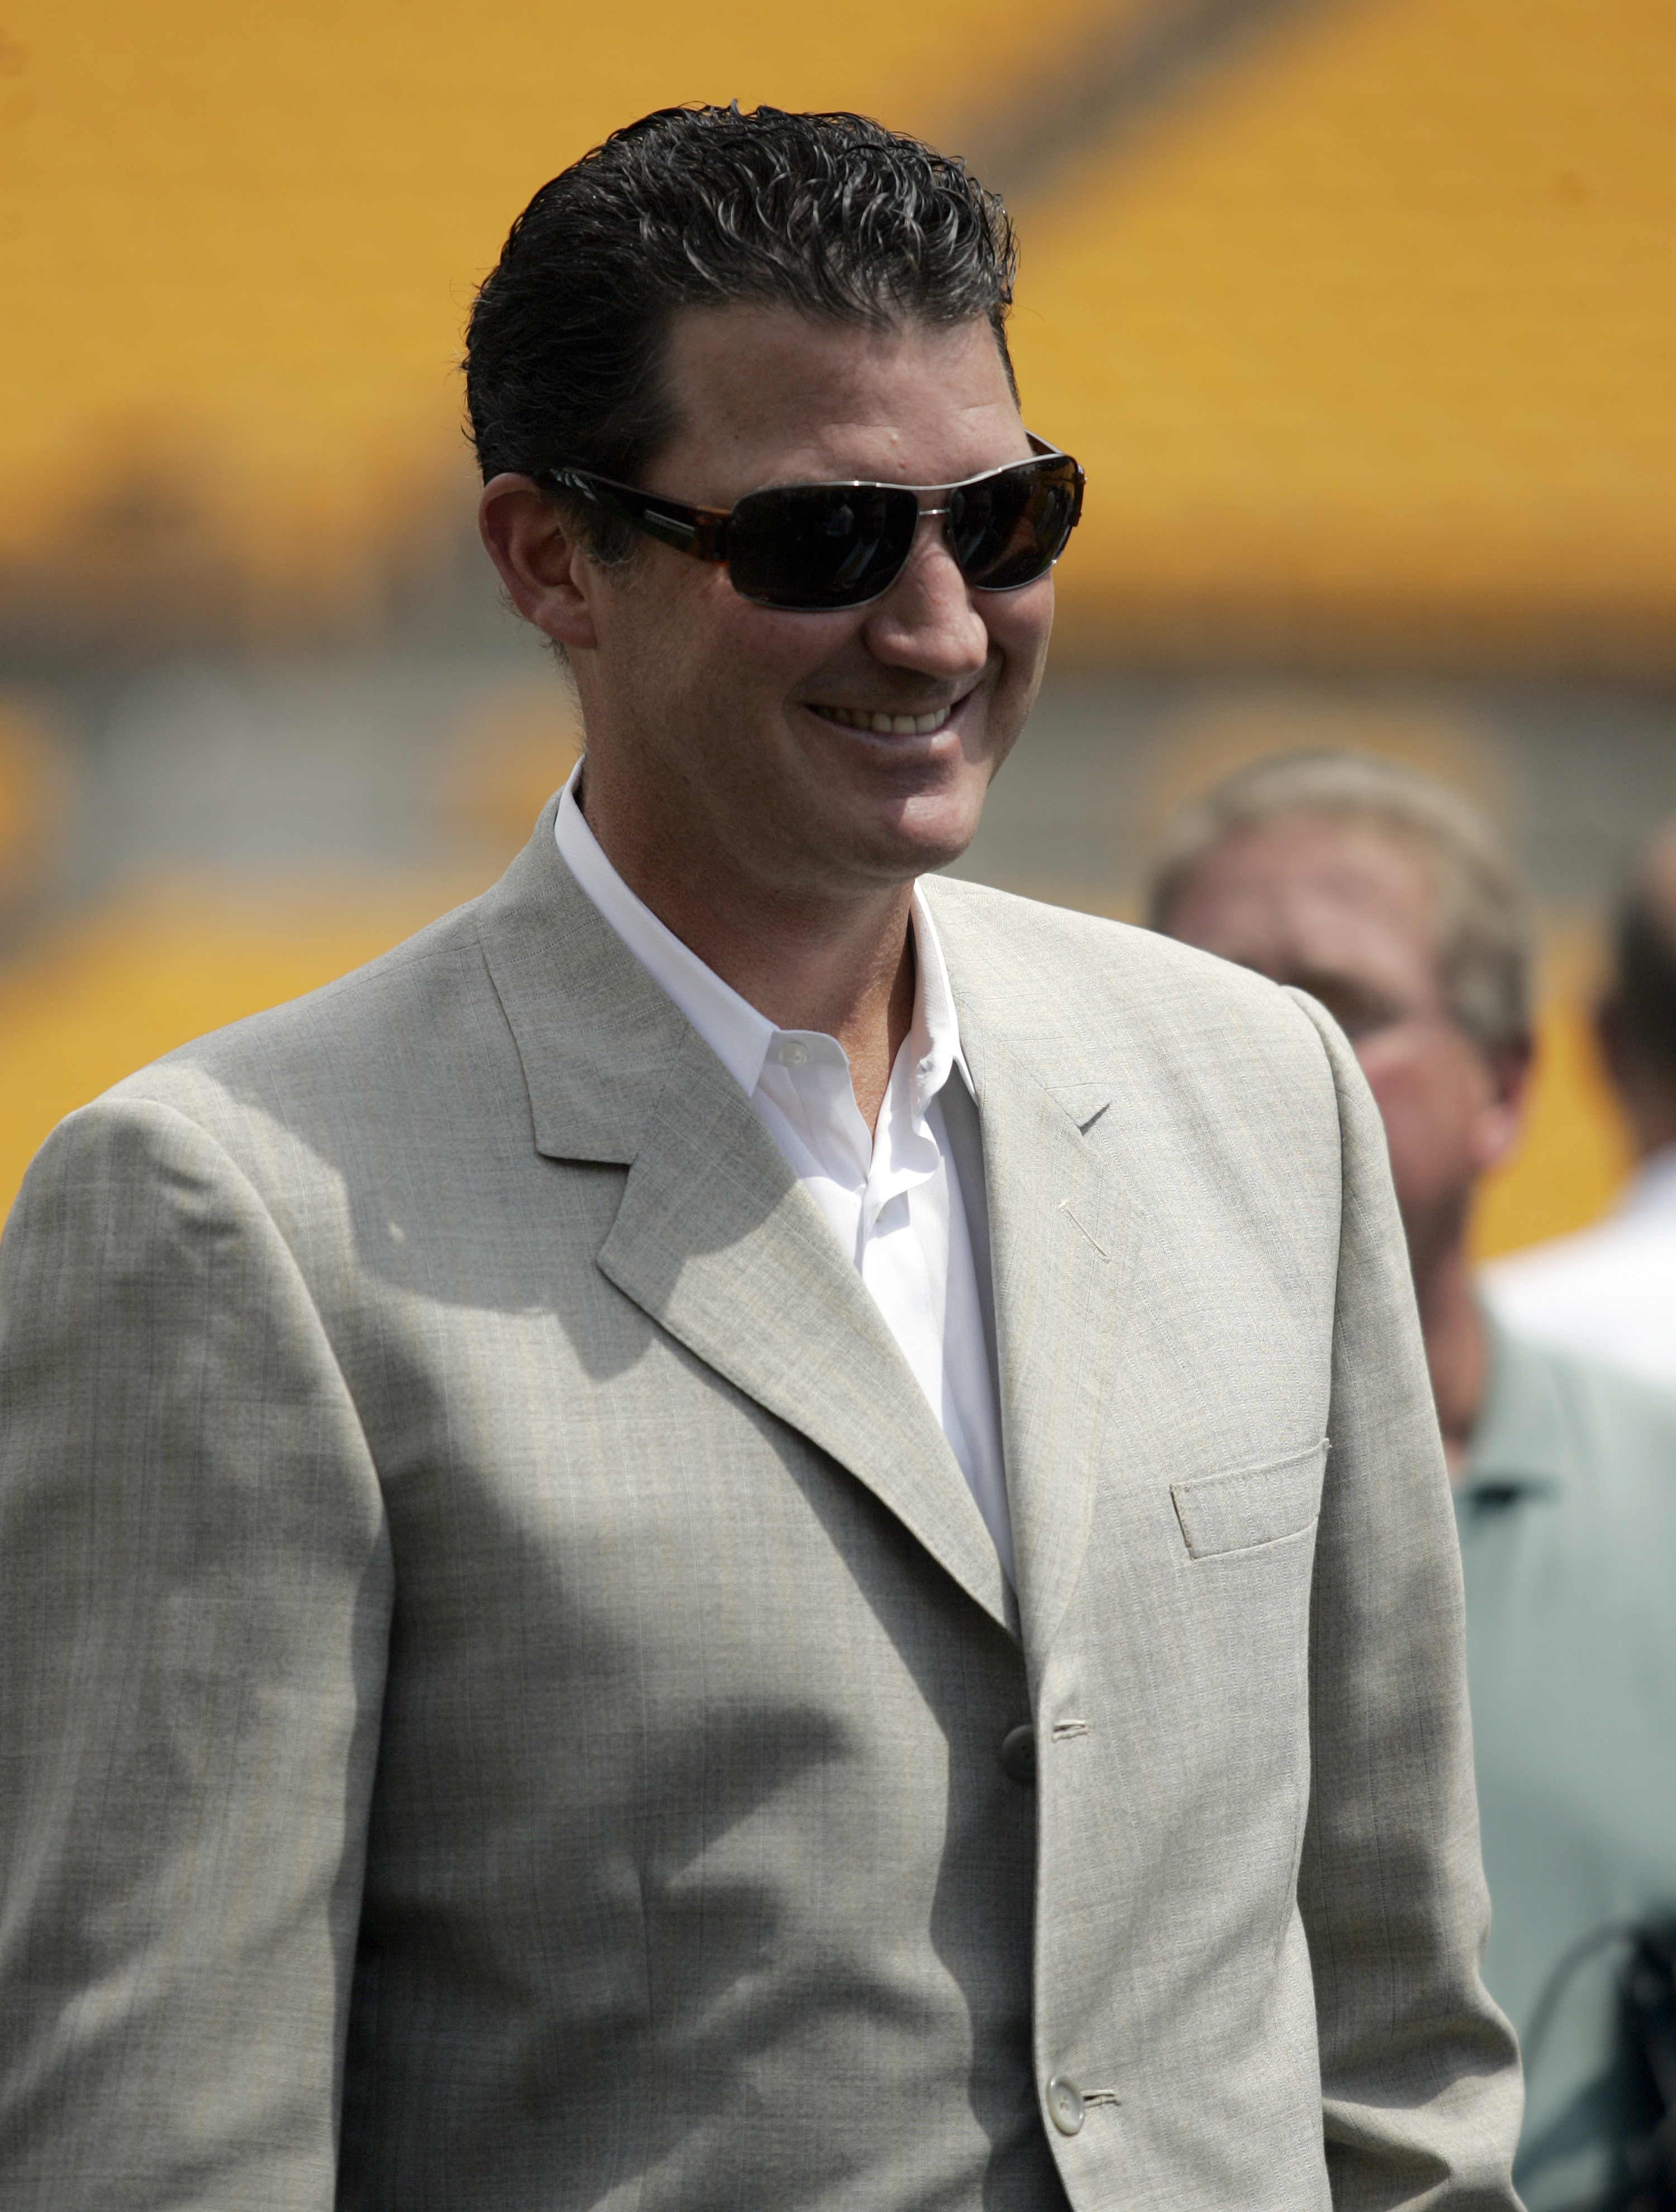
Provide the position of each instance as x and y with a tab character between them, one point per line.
317	1076
1092	975
389	1005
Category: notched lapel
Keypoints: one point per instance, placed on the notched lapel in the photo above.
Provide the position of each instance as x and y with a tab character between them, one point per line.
718	1242
1062	1236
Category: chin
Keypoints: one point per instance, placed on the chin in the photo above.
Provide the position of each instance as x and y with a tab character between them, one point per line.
907	852
879	838
935	832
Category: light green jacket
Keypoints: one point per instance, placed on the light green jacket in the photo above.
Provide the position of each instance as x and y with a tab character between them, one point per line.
1568	1531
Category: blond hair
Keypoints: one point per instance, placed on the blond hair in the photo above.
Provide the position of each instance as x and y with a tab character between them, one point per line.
1481	917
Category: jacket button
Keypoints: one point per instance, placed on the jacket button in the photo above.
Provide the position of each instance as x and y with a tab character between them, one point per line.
1018	1754
1065	2104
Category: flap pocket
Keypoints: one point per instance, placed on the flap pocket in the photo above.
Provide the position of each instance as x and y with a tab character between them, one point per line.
1253	1506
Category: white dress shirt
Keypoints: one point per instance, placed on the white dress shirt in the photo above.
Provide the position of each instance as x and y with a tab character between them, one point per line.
894	1199
1609	1292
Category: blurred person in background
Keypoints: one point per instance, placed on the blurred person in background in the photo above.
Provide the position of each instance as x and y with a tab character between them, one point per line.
1610	1290
1388	897
671	1549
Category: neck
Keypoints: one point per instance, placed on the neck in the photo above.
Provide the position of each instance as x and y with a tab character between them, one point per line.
1457	1347
846	969
1651	1109
841	963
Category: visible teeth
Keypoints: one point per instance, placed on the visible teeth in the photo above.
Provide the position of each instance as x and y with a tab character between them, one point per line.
897	725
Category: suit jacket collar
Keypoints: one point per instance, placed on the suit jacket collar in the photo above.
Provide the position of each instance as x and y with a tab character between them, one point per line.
596	1034
715	1240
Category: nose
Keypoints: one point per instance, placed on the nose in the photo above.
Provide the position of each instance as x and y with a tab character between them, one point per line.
929	620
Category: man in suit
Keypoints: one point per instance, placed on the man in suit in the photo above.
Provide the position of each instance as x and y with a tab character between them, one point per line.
679	1548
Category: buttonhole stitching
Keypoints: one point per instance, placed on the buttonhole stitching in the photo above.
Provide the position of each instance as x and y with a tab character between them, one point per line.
1062	1729
1065	1208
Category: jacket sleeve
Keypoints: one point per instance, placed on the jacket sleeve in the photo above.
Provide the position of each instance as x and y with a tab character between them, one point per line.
1420	2081
195	1593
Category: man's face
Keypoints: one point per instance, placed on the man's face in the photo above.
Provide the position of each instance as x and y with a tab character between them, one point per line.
1348	915
751	733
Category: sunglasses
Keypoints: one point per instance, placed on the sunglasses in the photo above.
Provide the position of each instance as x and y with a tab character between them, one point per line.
816	547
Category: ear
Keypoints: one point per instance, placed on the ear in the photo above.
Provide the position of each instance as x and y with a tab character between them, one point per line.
548	572
1500	1122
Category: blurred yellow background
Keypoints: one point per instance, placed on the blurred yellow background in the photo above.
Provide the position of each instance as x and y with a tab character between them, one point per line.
1362	315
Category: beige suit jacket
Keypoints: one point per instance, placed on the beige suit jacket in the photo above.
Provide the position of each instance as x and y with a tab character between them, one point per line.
502	1681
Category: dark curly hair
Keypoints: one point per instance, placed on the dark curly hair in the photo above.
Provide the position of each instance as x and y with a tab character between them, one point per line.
832	215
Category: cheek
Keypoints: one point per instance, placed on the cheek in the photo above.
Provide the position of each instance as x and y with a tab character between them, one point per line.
790	646
1019	625
722	644
1428	1122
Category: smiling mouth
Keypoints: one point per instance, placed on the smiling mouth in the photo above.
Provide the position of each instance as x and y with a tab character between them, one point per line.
894	726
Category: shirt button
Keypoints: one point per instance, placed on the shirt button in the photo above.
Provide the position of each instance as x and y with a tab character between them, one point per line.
792	1054
1065	2104
1018	1754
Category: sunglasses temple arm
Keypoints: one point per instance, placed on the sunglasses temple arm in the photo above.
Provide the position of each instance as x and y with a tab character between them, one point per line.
701	531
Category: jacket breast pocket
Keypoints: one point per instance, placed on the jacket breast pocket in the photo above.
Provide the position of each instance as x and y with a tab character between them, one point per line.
1251	1506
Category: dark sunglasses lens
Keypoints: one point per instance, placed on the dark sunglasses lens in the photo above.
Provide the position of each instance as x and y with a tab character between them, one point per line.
1010	528
819	546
